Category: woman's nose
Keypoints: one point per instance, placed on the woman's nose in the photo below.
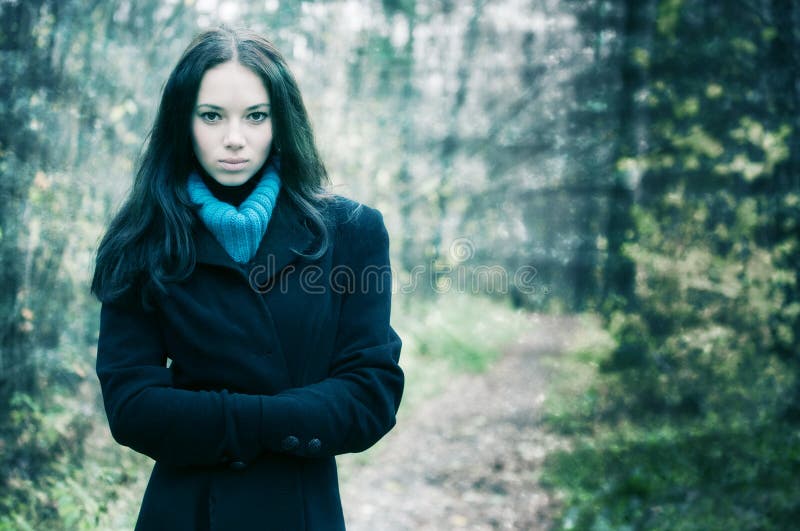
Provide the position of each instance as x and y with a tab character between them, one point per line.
234	138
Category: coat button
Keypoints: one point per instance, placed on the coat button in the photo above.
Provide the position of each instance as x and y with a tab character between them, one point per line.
314	446
290	443
237	465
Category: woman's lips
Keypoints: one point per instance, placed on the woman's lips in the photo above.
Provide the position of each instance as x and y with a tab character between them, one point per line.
233	164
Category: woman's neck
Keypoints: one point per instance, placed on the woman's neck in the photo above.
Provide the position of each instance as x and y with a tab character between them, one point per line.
235	194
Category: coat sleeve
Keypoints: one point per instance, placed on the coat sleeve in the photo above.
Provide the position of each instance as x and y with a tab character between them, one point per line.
356	404
146	413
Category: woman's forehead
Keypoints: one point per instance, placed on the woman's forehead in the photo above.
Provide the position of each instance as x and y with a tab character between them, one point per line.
232	85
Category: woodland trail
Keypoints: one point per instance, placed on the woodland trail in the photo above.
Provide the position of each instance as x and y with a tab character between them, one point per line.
470	457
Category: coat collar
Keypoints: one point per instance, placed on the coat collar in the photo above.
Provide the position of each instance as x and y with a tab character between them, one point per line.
286	233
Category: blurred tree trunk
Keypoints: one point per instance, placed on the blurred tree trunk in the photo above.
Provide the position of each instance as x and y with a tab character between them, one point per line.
26	74
619	268
583	267
405	188
450	144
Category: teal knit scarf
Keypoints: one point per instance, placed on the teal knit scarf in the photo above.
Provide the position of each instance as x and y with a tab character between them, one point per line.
238	230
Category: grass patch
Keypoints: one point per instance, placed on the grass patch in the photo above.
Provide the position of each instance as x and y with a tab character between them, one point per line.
572	399
454	333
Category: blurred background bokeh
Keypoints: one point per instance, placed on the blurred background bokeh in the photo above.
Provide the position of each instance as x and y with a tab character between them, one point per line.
634	164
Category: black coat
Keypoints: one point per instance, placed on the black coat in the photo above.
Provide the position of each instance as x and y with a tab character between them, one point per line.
245	381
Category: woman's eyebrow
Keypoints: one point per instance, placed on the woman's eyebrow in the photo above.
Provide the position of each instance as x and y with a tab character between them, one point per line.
217	107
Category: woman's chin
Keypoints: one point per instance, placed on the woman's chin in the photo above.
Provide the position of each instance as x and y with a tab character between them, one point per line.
232	178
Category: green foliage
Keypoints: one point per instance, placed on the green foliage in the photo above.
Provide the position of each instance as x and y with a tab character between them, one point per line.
63	470
640	459
681	476
690	420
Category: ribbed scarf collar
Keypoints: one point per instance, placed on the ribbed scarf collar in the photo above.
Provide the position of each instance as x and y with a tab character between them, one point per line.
238	229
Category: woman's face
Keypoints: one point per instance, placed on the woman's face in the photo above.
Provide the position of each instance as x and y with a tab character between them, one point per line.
231	124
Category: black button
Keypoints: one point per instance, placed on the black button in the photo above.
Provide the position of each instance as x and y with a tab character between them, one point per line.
290	443
314	446
237	465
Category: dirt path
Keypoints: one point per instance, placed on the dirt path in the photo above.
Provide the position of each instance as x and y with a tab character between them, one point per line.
470	457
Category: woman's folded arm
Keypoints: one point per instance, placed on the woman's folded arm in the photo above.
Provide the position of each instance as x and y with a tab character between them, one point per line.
146	413
356	405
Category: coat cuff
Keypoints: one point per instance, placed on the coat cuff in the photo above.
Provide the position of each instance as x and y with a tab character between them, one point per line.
278	413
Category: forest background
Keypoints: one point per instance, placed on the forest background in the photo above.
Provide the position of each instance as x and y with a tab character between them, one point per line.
635	161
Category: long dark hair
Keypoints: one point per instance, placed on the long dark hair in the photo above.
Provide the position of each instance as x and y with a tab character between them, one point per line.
149	241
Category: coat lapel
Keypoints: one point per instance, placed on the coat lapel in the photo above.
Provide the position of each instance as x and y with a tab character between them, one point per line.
286	233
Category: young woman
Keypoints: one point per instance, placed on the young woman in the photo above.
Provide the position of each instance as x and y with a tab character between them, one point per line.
244	331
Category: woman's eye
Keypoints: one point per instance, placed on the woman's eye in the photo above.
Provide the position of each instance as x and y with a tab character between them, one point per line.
210	116
258	116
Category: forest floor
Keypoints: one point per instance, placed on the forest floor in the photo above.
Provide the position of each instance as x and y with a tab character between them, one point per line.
469	457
